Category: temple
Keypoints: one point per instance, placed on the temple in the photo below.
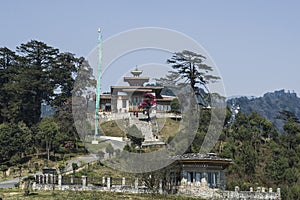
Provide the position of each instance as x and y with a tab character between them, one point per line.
124	99
198	170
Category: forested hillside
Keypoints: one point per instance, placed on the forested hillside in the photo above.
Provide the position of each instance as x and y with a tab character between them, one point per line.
262	157
269	105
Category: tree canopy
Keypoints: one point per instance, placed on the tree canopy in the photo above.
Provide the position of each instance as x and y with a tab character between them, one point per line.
33	75
147	103
190	68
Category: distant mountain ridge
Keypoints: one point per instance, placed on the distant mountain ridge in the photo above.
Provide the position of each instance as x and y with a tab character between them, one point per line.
239	96
269	105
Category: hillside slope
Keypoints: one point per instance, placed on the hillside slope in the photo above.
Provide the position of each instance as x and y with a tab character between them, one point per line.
269	105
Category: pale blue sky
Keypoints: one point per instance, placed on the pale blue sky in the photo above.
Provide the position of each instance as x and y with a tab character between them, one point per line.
255	44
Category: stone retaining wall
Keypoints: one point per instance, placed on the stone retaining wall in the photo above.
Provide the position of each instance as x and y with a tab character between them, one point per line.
208	193
47	182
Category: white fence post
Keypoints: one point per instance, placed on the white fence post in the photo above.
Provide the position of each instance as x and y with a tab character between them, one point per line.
108	183
84	181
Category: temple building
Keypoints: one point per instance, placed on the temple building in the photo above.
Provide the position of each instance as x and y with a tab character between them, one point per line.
196	170
123	99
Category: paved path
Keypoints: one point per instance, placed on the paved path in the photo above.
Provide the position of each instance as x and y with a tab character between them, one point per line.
79	161
9	183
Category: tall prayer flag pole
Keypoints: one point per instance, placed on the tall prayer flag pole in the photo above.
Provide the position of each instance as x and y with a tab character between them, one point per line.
98	92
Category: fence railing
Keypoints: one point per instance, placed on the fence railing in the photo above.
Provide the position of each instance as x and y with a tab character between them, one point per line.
135	185
84	181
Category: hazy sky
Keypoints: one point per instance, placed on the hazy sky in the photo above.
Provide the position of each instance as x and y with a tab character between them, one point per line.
255	44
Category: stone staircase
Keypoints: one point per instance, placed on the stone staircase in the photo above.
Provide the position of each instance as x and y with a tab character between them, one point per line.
147	130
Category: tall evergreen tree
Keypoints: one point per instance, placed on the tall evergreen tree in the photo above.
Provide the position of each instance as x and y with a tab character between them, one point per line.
36	81
190	68
9	104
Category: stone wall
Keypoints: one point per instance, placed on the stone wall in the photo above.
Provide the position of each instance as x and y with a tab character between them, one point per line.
208	193
49	182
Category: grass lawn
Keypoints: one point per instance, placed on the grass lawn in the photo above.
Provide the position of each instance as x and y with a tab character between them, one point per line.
170	128
111	128
84	195
94	148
